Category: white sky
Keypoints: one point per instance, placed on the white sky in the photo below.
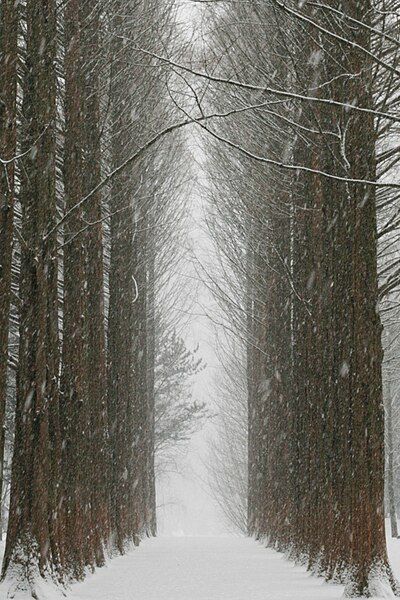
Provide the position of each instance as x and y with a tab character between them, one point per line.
187	505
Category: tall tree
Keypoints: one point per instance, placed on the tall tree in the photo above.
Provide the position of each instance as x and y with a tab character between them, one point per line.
33	546
321	262
75	393
123	291
95	311
8	138
83	477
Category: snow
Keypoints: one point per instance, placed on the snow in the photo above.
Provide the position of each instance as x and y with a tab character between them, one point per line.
15	587
203	568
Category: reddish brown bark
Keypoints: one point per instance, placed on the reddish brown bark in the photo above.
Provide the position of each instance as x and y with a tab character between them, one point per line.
8	137
141	404
150	367
33	542
336	414
121	373
96	353
75	393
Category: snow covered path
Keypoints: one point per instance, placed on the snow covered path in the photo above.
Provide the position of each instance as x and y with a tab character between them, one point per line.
202	568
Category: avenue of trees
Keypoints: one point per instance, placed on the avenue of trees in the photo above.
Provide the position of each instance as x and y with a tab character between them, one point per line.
304	212
296	107
91	224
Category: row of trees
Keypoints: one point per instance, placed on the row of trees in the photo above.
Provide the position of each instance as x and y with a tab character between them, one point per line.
91	218
304	96
309	96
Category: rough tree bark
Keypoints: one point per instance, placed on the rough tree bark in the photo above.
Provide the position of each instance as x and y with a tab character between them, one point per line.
151	356
74	384
34	546
121	373
345	538
141	404
391	490
8	137
96	352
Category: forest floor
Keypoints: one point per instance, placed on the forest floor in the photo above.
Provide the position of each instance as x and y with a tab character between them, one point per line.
205	568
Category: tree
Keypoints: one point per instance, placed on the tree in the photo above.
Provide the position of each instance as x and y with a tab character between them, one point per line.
82	479
301	459
33	539
176	415
123	292
8	140
75	413
95	310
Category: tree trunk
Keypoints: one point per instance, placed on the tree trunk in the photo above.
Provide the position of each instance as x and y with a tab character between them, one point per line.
96	357
141	405
151	356
390	464
75	401
8	137
341	377
121	373
33	547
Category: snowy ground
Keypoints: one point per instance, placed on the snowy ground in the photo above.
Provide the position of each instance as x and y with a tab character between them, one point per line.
208	568
202	568
205	568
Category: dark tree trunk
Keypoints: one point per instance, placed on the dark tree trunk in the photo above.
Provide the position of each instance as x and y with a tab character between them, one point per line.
391	491
151	356
329	432
253	404
141	405
121	373
75	401
338	354
96	357
8	137
368	544
276	373
33	542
